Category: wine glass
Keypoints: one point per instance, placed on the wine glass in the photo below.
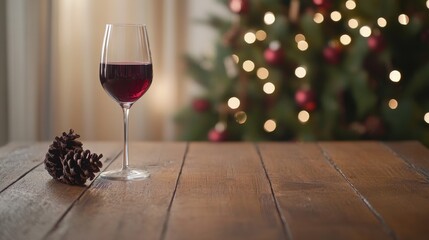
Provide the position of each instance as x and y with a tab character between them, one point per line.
126	74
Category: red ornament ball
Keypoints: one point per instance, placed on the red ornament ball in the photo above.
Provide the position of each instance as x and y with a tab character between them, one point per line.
306	99
239	6
323	4
200	104
273	56
332	54
216	135
376	43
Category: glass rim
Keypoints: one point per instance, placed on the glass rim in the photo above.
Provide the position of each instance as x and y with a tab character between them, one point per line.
125	25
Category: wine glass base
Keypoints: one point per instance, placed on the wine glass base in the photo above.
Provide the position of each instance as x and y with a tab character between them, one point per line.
128	174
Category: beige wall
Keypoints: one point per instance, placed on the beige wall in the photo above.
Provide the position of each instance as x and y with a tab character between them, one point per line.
54	51
3	75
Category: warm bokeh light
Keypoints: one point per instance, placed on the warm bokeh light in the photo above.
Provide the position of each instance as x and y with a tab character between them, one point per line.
365	31
318	18
395	76
299	37
353	23
235	58
220	126
248	66
269	88
240	117
269	18
335	16
249	37
350	4
234	103
302	45
270	125
262	73
427	3
261	35
345	39
303	116
300	72
426	117
393	104
381	22
274	45
403	19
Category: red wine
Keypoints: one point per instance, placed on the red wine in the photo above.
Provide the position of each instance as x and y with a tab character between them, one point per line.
126	82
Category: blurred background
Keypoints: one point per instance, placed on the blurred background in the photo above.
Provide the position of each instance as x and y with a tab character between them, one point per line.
49	60
240	70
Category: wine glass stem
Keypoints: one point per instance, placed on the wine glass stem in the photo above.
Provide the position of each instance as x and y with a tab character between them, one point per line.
125	110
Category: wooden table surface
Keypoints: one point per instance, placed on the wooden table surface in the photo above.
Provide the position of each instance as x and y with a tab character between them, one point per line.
199	190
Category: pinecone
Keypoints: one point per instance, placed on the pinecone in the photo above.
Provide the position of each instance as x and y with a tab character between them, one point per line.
79	165
64	154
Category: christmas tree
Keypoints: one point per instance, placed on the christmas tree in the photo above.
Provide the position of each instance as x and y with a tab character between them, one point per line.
313	70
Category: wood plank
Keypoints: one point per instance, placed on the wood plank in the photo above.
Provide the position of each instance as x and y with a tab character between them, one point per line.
223	193
314	199
32	206
395	191
17	158
127	210
414	153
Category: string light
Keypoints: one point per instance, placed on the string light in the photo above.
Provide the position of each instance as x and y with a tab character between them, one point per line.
426	117
350	5
381	22
249	37
302	45
318	18
269	18
345	39
353	23
220	126
240	117
261	35
300	72
393	104
270	125
234	103
395	76
365	31
269	88
299	37
262	73
303	116
235	58
335	16
403	19
248	66
275	45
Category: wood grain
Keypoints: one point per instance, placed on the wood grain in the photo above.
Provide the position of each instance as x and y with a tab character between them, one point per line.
414	153
223	193
315	201
394	190
327	190
32	206
127	210
16	159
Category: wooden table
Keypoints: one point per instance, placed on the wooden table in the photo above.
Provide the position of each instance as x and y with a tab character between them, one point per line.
197	190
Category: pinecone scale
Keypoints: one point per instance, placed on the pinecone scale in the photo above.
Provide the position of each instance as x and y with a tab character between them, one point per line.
68	162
